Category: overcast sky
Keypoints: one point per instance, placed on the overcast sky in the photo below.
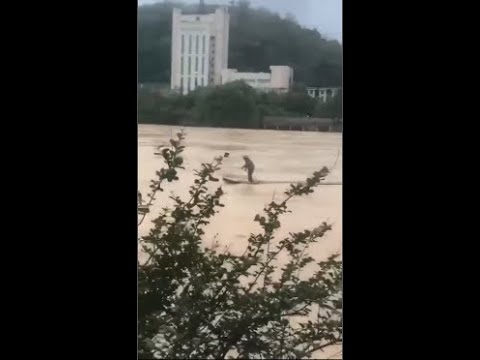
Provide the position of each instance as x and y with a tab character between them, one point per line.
324	15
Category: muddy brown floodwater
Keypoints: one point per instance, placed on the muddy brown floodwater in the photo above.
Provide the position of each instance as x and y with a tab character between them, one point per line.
278	156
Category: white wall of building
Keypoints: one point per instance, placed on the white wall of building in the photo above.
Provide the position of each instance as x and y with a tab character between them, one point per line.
280	79
221	27
259	81
199	49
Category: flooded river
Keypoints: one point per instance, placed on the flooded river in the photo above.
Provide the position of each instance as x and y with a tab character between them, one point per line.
278	156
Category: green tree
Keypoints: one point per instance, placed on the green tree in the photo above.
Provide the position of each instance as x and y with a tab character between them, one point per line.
297	101
229	105
234	104
330	109
154	42
155	108
202	302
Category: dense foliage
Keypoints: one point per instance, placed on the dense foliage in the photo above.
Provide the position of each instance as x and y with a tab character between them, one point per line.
258	39
331	109
204	302
234	104
230	105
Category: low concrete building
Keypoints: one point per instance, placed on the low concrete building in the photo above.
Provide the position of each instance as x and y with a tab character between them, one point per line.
322	93
300	123
279	79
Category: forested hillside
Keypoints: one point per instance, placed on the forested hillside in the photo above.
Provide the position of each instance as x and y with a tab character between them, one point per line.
258	39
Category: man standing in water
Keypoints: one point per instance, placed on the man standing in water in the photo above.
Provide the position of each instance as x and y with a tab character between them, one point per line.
249	166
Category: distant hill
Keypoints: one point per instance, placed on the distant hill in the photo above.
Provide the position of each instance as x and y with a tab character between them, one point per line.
258	39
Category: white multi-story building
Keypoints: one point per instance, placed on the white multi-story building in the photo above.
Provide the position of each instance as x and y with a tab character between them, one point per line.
199	49
279	79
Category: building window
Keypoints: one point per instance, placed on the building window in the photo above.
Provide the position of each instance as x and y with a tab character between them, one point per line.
196	44
190	44
195	83
203	44
201	80
196	63
181	85
183	43
203	64
181	65
189	65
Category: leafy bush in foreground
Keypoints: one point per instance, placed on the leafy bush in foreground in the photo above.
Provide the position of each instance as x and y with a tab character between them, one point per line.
201	302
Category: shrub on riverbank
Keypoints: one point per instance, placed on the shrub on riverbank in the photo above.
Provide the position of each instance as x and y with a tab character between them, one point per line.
205	302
